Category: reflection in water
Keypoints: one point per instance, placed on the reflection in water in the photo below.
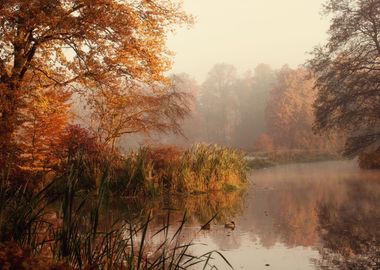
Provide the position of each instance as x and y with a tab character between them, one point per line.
306	216
350	230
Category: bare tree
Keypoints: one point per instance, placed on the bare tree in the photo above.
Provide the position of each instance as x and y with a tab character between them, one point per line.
347	69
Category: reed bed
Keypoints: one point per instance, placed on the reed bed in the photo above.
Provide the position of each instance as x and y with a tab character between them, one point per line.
201	168
210	167
75	237
67	225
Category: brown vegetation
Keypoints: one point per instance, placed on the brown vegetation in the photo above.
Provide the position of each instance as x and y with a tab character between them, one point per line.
347	75
199	169
370	160
12	257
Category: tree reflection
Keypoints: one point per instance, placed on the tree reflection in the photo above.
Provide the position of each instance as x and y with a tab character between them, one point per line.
331	208
350	230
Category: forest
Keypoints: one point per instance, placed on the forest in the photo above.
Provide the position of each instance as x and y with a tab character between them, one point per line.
90	111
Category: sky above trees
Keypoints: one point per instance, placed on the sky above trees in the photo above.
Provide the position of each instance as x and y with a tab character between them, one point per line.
248	32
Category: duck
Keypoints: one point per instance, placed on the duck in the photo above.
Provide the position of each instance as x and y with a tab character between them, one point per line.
230	225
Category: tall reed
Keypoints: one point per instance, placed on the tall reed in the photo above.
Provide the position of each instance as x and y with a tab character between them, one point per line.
200	168
84	236
210	167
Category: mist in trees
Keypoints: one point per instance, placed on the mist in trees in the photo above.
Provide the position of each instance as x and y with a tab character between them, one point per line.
260	110
102	50
347	77
114	74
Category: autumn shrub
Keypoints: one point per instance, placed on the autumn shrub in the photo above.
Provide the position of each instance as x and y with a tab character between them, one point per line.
13	257
147	170
79	147
263	143
370	160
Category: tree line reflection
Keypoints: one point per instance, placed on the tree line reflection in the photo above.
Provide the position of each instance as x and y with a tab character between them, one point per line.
330	207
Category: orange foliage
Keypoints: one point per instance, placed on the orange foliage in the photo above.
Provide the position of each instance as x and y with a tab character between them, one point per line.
13	257
263	143
290	112
370	160
78	142
46	117
79	147
91	46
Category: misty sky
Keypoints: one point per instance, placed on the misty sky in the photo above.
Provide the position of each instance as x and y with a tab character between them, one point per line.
247	32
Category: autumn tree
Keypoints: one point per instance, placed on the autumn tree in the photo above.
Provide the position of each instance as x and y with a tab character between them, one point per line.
191	125
136	108
290	111
88	45
45	120
347	72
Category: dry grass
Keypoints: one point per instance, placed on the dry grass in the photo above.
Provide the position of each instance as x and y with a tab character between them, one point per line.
201	168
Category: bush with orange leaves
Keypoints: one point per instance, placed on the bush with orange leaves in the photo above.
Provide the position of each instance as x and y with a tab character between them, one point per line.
80	148
12	257
370	160
263	143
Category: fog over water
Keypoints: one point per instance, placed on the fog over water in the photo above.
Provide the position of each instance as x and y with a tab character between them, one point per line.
322	215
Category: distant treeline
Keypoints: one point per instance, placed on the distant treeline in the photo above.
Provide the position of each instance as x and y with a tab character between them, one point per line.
262	110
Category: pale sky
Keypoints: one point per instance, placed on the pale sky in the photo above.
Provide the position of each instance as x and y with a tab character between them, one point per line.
247	32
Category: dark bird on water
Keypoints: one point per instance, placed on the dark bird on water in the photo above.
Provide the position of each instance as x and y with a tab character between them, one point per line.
230	225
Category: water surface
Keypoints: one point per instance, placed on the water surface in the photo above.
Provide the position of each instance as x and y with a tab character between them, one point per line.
322	215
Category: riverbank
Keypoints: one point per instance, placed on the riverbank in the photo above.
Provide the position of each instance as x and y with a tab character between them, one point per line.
67	221
260	160
199	169
77	230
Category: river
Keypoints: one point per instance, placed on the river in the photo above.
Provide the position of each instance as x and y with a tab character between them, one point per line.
323	215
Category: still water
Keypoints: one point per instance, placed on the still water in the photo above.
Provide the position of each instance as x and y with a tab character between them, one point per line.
322	215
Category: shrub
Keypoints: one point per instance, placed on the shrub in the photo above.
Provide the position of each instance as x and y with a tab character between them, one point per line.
80	148
370	160
263	143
